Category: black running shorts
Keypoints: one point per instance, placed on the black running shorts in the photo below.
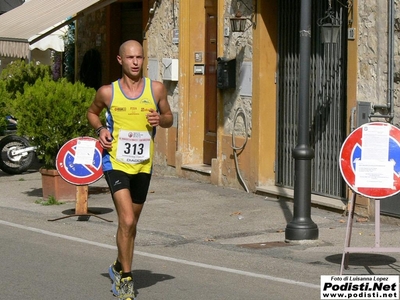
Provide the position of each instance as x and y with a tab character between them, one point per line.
137	184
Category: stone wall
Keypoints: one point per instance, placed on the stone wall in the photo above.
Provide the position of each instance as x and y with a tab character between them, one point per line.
373	52
159	35
239	46
397	60
160	44
91	35
236	45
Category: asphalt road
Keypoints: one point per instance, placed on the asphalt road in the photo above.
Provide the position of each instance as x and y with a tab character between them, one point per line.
195	241
41	264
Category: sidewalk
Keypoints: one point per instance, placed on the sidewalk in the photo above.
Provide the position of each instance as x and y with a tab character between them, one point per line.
198	218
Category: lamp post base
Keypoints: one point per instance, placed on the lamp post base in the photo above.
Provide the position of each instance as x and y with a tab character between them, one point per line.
303	230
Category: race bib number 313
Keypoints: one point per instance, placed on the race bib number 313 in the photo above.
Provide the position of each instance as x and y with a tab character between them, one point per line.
133	146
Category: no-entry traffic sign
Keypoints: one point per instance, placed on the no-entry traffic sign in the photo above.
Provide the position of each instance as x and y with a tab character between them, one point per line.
370	160
79	161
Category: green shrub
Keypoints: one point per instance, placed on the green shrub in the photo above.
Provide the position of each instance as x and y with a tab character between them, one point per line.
13	78
5	109
52	113
18	73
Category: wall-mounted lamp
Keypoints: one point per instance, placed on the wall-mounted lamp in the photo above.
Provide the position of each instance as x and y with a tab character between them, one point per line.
330	26
329	33
238	22
152	11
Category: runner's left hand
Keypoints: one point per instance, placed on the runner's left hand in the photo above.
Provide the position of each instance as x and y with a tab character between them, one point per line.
153	118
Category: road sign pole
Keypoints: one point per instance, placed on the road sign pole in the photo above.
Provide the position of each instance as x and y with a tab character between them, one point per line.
356	149
375	145
81	173
81	206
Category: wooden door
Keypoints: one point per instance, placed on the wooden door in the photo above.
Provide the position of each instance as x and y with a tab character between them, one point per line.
210	100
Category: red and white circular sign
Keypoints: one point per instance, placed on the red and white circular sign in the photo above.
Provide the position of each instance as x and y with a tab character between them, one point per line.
370	160
79	161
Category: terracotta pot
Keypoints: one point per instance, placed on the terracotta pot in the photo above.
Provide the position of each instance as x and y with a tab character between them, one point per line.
54	185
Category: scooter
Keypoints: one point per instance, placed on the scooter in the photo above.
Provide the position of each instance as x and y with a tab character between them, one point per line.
16	153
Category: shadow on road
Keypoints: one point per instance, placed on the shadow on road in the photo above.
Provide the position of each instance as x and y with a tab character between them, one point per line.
372	262
92	210
146	278
363	259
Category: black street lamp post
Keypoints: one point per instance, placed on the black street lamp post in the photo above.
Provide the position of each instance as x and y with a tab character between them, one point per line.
302	227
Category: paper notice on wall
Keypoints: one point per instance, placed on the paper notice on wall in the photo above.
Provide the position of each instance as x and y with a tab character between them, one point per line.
84	152
374	174
374	170
375	143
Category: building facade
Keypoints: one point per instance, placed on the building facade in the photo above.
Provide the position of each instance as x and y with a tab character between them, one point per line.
231	68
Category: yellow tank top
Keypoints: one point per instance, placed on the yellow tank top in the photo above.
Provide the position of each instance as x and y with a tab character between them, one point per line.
133	137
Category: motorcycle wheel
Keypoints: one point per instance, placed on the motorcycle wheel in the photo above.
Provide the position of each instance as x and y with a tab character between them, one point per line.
15	164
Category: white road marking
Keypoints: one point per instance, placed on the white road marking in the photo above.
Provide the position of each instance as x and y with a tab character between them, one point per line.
165	258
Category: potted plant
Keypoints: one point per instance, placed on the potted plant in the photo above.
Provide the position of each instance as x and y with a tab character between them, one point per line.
51	113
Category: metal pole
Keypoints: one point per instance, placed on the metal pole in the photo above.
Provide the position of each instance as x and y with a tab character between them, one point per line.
302	227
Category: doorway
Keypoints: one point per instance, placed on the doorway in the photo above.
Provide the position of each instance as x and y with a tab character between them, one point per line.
125	24
210	94
327	99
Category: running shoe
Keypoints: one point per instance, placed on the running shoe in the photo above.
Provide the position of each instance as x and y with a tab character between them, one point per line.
126	289
115	278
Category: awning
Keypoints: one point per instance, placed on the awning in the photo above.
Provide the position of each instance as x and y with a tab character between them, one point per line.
35	19
53	41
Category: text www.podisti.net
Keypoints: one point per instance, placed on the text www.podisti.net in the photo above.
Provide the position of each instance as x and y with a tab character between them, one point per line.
360	287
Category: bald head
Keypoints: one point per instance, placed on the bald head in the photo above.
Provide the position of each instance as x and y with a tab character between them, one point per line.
131	58
131	44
